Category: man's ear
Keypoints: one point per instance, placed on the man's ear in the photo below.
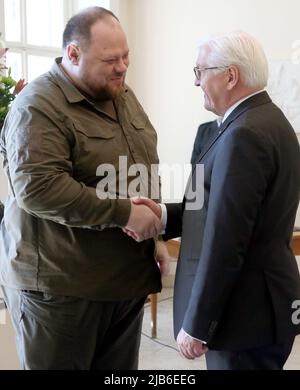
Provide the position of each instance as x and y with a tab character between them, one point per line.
233	77
73	53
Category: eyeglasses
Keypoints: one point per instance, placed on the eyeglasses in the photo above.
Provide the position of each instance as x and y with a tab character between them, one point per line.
198	70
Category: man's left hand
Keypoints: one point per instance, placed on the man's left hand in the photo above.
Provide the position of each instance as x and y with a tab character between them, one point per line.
189	347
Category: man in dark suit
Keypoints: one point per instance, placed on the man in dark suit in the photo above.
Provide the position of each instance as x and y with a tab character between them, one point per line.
205	133
237	279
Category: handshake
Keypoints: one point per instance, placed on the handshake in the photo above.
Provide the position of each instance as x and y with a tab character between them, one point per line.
144	220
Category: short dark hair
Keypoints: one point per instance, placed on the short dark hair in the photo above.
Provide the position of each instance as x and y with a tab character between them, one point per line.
78	28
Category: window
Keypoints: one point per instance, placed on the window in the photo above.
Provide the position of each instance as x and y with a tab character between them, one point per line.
33	29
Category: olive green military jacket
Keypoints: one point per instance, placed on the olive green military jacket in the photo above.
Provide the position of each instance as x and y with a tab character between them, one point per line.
58	234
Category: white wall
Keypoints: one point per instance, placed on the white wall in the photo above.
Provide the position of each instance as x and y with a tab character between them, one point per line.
163	36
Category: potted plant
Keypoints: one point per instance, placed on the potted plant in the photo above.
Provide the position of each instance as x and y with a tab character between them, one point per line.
9	87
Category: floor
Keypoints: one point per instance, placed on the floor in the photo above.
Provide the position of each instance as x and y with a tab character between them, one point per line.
162	354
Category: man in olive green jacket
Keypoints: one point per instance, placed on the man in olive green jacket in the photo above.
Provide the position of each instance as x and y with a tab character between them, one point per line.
74	283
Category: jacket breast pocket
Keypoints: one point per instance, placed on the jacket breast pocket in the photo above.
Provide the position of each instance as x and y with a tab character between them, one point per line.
146	137
95	148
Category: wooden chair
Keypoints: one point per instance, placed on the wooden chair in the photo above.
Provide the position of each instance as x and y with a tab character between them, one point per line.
153	304
173	248
295	243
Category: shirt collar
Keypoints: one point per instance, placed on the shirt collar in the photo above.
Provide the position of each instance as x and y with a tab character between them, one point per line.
232	108
219	120
72	94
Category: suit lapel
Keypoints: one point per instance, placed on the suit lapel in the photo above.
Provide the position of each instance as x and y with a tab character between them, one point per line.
254	101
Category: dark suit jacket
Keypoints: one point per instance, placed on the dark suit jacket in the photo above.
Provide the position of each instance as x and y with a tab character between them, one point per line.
205	133
237	276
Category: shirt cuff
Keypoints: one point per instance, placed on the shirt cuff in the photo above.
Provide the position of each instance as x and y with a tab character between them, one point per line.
203	342
164	217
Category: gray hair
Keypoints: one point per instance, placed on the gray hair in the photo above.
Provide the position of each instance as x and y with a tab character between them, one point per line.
240	49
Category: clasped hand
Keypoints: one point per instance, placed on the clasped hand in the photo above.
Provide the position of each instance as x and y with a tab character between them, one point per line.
189	347
145	219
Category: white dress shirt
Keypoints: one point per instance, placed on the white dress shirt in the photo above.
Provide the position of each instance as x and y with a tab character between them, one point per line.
230	109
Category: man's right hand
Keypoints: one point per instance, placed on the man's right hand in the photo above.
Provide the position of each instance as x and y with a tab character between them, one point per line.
143	223
155	207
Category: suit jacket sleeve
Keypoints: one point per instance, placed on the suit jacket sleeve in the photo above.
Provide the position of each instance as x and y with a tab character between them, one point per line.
174	221
242	171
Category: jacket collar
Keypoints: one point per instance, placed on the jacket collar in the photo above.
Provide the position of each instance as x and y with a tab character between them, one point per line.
72	94
253	101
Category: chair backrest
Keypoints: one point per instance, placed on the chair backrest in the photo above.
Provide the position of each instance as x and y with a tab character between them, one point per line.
295	243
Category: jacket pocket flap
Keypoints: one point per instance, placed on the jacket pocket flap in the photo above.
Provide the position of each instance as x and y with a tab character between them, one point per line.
139	123
95	132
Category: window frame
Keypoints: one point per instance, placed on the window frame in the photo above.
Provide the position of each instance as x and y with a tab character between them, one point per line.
26	49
